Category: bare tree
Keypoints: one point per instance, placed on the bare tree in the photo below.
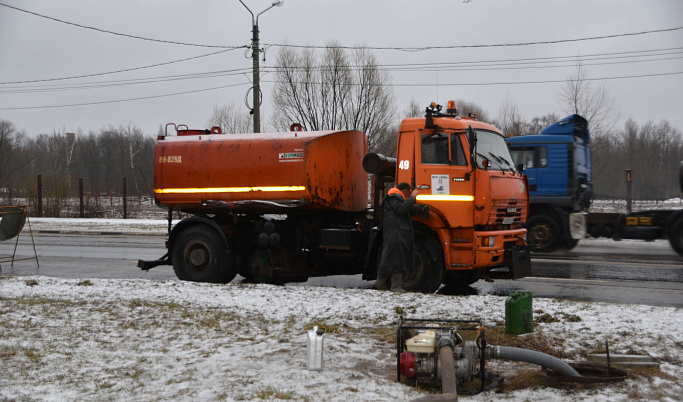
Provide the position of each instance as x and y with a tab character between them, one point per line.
538	123
69	157
230	120
466	107
414	109
11	156
579	96
509	119
339	89
56	150
653	153
135	143
387	139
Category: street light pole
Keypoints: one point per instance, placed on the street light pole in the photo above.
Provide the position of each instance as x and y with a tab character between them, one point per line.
255	52
256	88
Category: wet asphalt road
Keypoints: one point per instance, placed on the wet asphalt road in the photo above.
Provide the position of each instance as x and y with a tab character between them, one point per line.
597	270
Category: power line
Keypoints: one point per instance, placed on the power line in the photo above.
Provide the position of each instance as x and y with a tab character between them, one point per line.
317	83
116	71
542	82
123	100
118	83
505	83
491	65
408	49
481	65
115	33
419	49
595	56
216	74
225	73
523	66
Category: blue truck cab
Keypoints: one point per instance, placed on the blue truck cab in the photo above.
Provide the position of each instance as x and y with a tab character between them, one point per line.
557	163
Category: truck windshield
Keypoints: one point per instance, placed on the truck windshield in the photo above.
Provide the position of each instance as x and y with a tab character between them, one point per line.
492	146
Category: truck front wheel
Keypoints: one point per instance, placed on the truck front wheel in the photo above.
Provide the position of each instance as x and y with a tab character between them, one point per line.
199	255
544	232
429	265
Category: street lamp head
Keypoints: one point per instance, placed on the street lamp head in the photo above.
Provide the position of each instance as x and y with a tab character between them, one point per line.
278	3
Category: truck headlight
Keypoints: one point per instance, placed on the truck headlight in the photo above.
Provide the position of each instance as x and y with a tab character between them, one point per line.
488	241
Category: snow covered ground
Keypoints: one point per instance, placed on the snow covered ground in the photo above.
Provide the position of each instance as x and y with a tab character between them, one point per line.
145	340
102	339
637	205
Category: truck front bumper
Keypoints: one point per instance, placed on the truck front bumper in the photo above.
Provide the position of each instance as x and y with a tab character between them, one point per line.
518	264
506	252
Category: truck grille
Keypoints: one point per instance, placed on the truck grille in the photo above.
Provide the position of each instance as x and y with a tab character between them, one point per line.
507	212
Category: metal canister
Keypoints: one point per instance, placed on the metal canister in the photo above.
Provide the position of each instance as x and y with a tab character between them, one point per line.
314	360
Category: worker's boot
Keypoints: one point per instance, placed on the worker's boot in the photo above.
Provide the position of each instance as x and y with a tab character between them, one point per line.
382	282
396	280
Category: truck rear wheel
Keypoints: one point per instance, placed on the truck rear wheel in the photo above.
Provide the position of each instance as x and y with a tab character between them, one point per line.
676	235
544	232
199	255
429	265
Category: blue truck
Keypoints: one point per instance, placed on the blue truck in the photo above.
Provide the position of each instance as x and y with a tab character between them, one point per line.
557	163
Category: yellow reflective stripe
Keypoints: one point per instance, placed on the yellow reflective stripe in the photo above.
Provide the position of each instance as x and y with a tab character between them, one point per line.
444	197
226	189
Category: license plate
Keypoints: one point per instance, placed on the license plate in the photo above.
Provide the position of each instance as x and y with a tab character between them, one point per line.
508	220
512	209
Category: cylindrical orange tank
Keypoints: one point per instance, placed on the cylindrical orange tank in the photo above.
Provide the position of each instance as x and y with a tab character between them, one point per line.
310	169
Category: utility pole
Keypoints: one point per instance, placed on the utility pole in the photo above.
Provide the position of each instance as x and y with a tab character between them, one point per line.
629	188
255	53
256	89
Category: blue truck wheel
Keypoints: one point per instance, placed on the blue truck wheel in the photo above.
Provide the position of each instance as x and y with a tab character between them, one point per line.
544	232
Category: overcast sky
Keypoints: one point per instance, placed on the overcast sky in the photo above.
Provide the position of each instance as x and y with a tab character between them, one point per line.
39	56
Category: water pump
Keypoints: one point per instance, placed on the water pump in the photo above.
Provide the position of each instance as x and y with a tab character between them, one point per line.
422	345
432	350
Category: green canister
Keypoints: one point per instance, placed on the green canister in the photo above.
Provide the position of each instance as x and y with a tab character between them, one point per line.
518	313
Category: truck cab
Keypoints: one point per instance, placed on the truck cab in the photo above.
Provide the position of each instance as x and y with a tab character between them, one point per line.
558	167
478	201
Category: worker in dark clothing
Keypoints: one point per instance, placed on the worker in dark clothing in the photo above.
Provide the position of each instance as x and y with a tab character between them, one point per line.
398	253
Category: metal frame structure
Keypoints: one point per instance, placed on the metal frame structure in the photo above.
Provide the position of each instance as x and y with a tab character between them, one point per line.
22	210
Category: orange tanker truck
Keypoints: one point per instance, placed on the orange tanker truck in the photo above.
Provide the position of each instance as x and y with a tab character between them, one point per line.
283	207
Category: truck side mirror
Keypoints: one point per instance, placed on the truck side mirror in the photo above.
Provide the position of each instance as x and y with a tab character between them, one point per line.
520	167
